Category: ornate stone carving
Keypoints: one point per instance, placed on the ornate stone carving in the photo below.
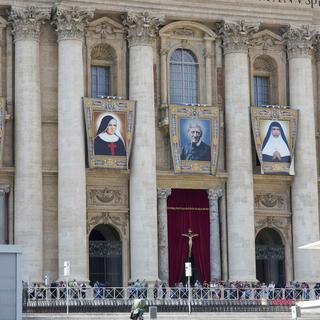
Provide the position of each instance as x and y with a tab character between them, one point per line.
142	27
26	22
299	40
185	32
107	197
236	35
103	52
120	221
70	22
280	223
270	201
163	193
266	40
105	28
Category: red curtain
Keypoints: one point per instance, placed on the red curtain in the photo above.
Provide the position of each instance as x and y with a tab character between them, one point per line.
188	209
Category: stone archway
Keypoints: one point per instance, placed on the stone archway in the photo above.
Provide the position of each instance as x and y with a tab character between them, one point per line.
270	257
105	256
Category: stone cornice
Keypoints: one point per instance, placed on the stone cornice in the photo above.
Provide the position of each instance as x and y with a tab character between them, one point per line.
70	22
142	27
299	40
26	22
235	35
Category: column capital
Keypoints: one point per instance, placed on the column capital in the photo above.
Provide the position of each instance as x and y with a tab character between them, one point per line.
4	189
299	40
70	22
26	22
164	193
142	27
214	194
235	35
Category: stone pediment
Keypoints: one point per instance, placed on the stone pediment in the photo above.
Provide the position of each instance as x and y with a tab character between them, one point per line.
266	39
105	27
187	30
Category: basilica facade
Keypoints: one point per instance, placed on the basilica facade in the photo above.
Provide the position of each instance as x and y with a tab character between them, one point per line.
115	225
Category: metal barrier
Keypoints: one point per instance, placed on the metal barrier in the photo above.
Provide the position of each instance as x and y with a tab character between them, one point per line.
38	293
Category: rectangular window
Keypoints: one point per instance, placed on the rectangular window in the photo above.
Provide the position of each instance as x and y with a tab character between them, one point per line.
100	81
261	90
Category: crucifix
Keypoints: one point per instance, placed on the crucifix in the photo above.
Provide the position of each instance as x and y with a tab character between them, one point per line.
189	235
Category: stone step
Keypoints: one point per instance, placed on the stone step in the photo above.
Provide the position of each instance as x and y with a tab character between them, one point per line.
172	316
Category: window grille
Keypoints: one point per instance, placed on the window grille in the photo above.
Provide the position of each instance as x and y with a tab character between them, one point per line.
100	81
184	79
261	90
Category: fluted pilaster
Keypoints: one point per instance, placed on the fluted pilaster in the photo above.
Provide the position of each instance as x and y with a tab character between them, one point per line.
163	195
215	247
70	23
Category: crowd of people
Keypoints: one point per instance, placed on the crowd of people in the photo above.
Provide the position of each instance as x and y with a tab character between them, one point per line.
160	290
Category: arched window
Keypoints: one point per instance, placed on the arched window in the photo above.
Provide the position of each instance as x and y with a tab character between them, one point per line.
184	79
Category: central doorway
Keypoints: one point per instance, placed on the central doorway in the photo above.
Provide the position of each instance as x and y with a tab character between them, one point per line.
270	257
105	256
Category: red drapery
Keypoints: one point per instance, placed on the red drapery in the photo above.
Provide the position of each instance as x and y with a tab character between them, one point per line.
188	209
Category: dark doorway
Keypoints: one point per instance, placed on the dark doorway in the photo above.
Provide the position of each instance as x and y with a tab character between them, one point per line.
105	256
270	257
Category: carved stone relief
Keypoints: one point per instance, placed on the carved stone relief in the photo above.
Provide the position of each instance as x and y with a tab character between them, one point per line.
120	221
271	201
282	224
107	196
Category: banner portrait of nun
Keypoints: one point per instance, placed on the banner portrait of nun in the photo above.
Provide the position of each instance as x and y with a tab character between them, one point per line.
110	131
275	146
108	140
274	130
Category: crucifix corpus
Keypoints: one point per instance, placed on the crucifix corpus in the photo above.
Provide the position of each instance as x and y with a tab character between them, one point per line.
190	235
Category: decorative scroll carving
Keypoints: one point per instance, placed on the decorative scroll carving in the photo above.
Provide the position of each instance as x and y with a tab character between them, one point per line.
236	35
105	28
107	196
70	22
120	221
213	196
267	252
299	40
270	201
26	22
142	27
105	248
282	224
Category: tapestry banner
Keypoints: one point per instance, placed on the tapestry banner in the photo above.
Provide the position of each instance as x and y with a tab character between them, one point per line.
194	138
110	127
275	131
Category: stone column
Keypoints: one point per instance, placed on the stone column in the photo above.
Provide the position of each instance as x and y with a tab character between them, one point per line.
70	24
142	29
305	211
3	215
215	251
240	204
28	228
163	234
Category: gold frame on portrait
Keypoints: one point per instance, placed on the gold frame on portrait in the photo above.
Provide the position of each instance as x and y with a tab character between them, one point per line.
261	115
120	108
197	113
